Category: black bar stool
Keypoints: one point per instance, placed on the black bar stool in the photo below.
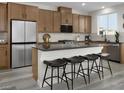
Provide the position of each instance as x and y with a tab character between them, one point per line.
73	61
106	57
91	58
55	64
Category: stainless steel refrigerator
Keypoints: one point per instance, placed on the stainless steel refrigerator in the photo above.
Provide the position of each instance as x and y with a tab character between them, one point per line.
23	37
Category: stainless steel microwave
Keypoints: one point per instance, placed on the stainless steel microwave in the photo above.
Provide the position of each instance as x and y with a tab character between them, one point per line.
66	28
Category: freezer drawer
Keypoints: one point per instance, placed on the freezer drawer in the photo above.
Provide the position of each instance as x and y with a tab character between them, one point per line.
30	31
17	56
28	54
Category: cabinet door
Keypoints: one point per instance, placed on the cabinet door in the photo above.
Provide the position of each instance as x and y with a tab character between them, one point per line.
88	24
69	18
16	11
75	23
31	13
3	17
49	21
3	57
41	21
56	22
66	18
82	24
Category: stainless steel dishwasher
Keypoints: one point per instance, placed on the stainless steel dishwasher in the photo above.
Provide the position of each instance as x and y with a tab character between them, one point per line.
114	51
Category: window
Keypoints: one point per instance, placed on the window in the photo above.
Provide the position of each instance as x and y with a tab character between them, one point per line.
107	24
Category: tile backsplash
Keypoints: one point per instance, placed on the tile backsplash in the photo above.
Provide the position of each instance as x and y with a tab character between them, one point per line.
3	36
62	36
72	36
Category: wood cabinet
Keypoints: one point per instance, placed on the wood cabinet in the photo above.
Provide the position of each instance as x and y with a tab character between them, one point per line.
45	23
16	11
3	57
35	63
82	24
85	24
56	21
3	17
122	53
75	23
31	13
66	18
66	15
65	10
23	12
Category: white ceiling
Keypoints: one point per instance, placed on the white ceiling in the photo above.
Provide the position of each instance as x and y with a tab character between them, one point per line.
89	7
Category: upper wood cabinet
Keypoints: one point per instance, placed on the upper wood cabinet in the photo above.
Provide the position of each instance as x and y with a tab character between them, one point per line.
3	17
88	24
16	11
66	18
45	23
66	15
85	24
56	21
3	57
31	13
82	24
22	12
75	23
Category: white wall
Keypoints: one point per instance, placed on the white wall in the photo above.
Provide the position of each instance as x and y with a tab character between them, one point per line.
120	11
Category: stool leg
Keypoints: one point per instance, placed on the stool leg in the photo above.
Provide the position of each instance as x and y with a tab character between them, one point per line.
74	70
51	78
78	69
92	67
58	73
109	67
45	75
64	67
101	61
72	75
88	71
97	69
83	74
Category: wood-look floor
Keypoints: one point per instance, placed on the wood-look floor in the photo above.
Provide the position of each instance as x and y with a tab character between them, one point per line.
21	79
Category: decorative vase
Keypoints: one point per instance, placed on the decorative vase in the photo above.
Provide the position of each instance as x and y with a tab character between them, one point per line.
46	38
46	45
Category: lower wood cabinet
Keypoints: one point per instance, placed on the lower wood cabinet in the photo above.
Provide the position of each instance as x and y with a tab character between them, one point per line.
3	57
122	53
35	63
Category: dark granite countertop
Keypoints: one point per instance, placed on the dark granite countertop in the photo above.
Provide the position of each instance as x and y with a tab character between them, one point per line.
52	47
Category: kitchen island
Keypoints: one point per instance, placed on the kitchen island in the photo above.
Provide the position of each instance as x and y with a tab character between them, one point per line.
53	51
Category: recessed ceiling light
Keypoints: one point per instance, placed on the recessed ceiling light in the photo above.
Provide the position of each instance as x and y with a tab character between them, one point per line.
83	4
103	7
